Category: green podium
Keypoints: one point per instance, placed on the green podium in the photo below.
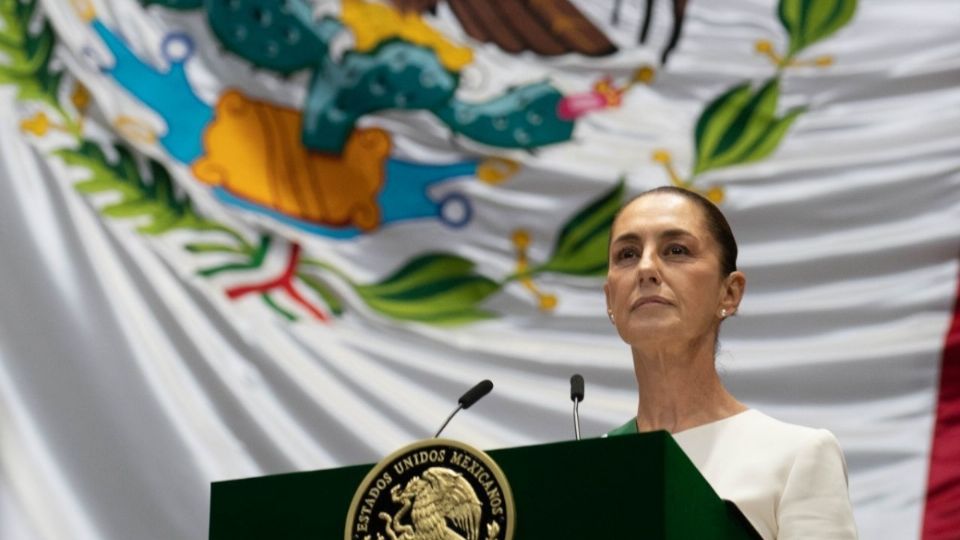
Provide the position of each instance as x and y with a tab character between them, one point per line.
636	486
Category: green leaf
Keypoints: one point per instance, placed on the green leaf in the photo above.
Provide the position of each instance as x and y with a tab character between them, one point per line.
750	134
254	260
581	247
447	317
714	122
210	247
121	176
10	38
30	90
8	78
162	188
156	198
38	48
86	155
89	155
28	56
809	21
34	54
771	138
15	16
591	259
95	185
433	287
426	269
319	287
750	124
163	221
11	33
132	208
272	304
443	295
125	166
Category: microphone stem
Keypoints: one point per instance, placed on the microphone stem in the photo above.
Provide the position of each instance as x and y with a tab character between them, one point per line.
576	418
447	421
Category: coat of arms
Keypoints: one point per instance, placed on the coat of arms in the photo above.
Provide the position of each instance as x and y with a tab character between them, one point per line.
433	490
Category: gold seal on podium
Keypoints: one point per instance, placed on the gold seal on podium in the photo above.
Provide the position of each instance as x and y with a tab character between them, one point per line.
433	489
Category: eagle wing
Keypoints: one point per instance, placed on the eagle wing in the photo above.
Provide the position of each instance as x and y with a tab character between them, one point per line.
545	27
456	500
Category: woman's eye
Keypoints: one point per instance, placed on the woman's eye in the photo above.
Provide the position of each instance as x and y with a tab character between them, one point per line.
626	253
677	249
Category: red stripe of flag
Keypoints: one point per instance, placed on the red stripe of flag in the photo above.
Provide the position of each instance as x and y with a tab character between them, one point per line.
941	519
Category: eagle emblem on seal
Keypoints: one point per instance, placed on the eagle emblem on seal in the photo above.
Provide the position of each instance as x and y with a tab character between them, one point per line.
431	499
437	489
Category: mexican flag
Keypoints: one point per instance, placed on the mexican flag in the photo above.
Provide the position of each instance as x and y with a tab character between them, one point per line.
243	238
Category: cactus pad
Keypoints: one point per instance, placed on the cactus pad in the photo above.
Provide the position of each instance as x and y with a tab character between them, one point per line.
396	75
279	35
525	117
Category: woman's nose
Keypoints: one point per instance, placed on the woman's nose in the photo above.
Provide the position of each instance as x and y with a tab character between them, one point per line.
648	268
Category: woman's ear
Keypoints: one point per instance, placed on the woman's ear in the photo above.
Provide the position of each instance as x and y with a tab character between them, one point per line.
732	291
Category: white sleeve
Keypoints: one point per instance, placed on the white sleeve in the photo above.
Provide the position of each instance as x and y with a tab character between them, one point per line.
816	503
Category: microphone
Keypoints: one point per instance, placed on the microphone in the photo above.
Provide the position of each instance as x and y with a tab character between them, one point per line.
469	397
576	395
474	394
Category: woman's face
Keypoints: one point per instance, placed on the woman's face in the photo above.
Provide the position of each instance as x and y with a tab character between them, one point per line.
664	280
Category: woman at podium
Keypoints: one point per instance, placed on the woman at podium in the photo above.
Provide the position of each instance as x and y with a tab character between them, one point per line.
671	282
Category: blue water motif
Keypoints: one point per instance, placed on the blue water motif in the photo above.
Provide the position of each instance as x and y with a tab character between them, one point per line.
405	194
403	198
168	93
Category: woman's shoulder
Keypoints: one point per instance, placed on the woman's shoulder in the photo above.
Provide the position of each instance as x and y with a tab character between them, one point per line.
750	428
785	477
757	424
803	437
753	433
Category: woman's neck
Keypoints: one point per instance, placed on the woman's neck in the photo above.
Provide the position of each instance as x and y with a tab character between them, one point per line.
679	389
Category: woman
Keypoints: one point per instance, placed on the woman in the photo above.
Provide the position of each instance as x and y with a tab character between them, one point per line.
671	282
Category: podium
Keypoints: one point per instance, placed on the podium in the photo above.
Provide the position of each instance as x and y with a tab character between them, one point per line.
635	486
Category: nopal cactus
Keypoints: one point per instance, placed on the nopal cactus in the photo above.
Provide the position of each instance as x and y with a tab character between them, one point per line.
525	117
282	36
279	35
395	75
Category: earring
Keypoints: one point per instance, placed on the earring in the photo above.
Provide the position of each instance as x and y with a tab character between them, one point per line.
723	313
610	314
